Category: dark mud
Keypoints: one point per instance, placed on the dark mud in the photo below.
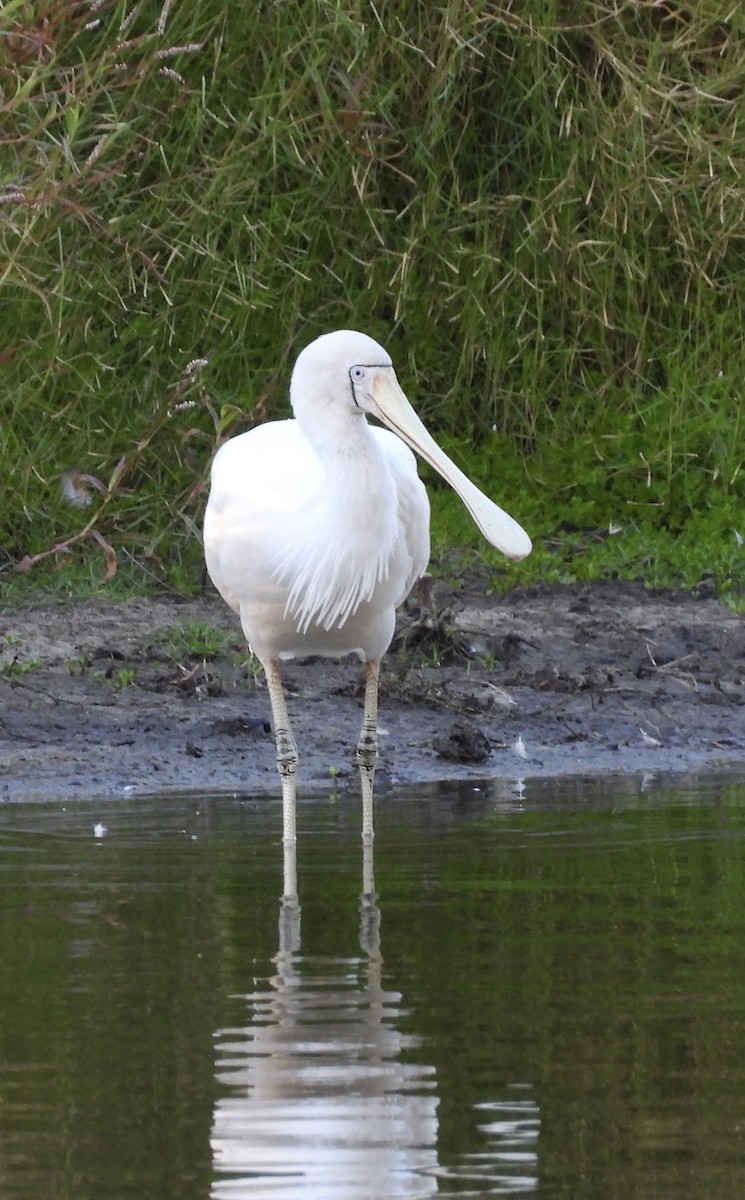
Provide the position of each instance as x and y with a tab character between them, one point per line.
104	698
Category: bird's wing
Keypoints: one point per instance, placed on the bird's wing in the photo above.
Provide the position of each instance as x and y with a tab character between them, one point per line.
260	481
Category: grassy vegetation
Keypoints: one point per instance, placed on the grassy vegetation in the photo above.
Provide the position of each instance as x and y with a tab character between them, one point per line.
202	640
538	207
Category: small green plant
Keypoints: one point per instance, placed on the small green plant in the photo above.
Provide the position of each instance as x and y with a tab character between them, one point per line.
199	639
123	678
17	667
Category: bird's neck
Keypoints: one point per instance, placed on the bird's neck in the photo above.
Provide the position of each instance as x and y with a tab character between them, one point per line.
332	432
357	476
360	498
342	546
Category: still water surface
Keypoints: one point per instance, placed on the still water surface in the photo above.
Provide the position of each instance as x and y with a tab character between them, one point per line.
542	993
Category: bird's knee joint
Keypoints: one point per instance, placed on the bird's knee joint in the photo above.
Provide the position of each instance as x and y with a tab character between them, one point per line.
286	753
287	767
284	739
367	753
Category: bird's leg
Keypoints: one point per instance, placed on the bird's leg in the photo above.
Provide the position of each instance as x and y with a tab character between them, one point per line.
286	749
289	913
369	911
367	747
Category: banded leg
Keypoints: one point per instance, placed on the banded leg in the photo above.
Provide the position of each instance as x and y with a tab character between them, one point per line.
286	750
367	747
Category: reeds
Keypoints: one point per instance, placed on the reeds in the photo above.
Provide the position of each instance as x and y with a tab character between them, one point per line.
540	208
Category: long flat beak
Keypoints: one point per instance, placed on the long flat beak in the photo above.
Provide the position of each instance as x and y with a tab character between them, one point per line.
497	526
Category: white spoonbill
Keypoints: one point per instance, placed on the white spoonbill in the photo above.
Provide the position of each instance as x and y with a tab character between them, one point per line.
317	528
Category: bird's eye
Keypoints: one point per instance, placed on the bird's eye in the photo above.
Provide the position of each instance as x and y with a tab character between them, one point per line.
357	374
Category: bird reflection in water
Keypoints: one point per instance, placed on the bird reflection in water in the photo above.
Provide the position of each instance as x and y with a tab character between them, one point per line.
319	1100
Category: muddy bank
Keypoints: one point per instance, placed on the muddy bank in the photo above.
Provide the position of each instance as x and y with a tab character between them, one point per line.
104	698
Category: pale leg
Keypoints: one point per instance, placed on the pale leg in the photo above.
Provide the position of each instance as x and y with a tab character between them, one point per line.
367	747
369	911
289	917
286	750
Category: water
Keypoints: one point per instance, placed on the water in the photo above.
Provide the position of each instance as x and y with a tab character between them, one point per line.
542	993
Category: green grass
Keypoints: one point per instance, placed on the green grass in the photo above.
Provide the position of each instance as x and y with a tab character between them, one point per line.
539	208
201	640
18	667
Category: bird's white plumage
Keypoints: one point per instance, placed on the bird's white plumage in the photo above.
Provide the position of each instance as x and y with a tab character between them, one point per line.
317	528
316	557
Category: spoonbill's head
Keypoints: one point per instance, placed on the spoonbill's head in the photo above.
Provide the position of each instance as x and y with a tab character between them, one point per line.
351	369
338	370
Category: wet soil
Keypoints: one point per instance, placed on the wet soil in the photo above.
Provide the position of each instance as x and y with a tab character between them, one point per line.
102	698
